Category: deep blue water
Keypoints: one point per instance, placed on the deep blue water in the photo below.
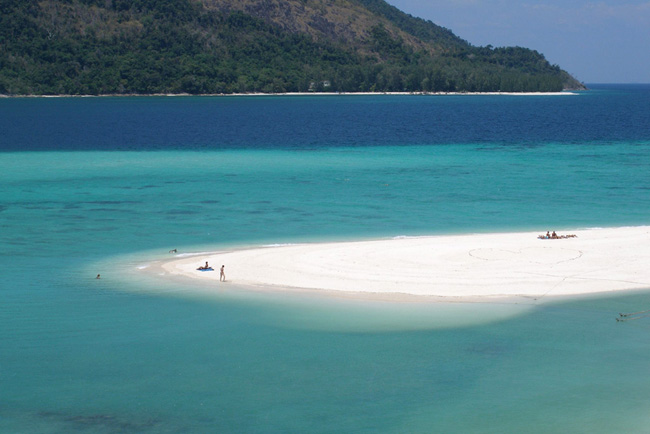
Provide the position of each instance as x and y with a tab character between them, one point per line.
91	185
604	115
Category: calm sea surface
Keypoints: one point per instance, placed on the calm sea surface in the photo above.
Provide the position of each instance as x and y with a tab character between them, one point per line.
107	185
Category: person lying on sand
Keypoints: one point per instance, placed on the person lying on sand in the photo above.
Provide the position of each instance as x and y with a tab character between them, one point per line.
205	267
555	236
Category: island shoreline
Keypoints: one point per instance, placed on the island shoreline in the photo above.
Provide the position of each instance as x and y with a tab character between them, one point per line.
300	94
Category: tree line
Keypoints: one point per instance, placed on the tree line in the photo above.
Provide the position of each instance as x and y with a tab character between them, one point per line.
96	47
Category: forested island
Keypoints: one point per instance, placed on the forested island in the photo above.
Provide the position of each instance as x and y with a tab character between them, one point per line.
124	47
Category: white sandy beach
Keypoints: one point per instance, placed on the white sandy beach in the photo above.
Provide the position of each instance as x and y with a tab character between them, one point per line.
260	94
461	266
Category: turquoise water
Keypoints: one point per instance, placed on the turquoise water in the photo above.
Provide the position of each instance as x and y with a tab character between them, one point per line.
104	185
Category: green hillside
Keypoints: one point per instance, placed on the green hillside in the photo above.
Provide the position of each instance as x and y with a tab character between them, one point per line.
98	47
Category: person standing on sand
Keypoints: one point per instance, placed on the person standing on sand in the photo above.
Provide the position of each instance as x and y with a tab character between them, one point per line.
222	276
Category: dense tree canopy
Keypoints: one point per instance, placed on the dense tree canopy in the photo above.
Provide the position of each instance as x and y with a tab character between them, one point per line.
178	46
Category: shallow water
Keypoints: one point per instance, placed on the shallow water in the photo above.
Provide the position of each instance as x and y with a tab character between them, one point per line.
97	185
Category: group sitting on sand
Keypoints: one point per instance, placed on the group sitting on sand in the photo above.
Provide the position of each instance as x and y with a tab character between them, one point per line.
554	236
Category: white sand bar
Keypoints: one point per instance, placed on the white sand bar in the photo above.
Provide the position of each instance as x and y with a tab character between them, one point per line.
483	265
